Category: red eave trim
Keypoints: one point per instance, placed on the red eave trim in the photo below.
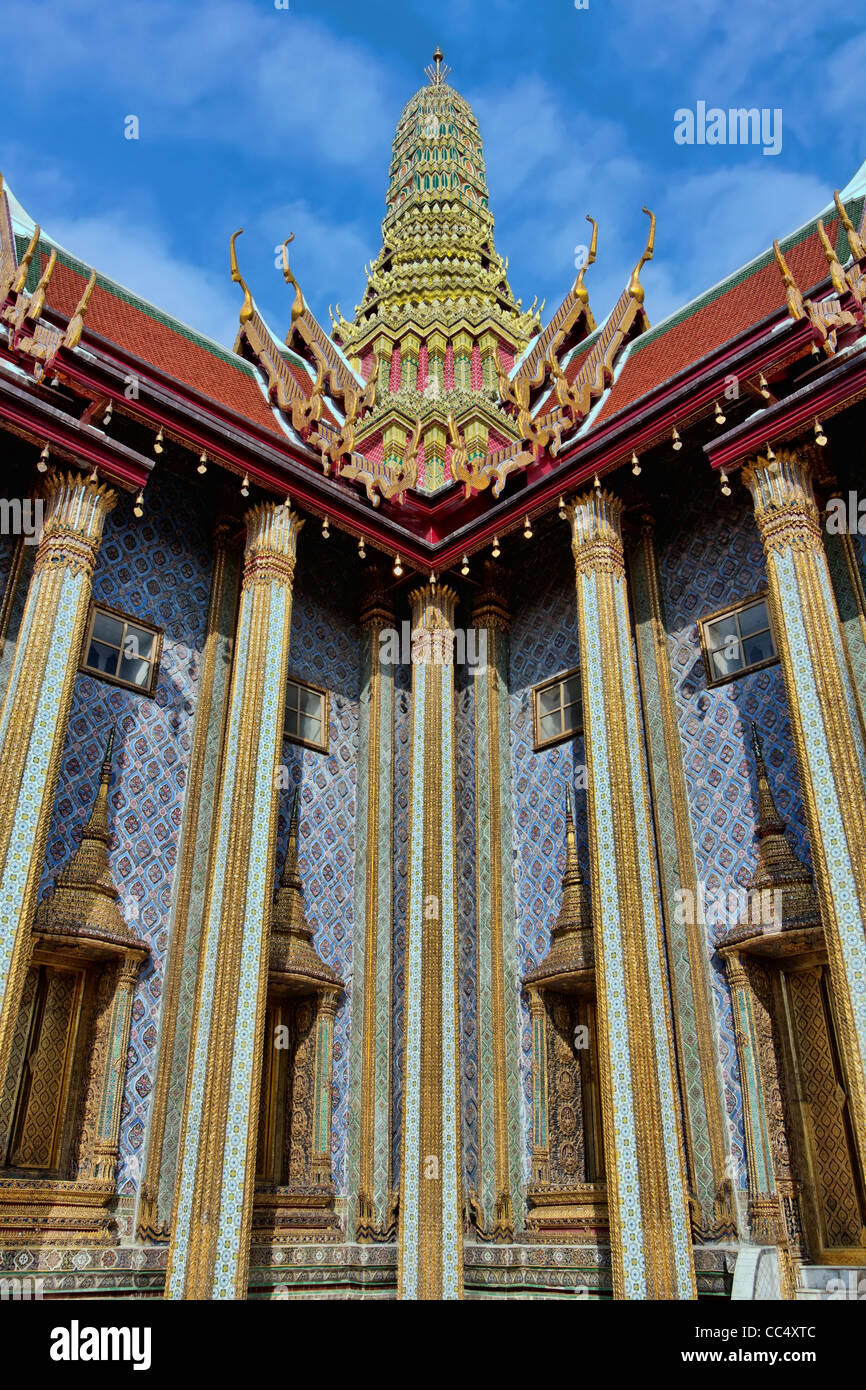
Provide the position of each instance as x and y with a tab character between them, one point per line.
823	396
30	415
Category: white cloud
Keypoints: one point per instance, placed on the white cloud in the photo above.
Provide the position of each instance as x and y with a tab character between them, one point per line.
712	224
272	82
327	258
138	254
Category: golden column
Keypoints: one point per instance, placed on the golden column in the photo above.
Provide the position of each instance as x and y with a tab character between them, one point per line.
409	348
651	1250
210	1229
462	348
383	349
828	737
431	1234
36	710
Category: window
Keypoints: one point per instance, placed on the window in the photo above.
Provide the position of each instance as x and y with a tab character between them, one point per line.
556	709
307	715
737	640
120	650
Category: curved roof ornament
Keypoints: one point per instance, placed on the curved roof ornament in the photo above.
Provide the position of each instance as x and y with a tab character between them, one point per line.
247	306
635	288
580	290
298	306
855	243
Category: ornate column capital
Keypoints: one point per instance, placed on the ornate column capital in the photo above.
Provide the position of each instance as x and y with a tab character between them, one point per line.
327	1003
737	977
433	608
75	512
272	539
377	609
596	532
785	508
491	608
535	996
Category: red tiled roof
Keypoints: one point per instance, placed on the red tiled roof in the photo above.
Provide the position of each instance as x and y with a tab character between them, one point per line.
715	323
166	348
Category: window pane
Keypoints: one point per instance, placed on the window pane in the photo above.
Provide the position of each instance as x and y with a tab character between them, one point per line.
724	665
291	696
292	722
106	628
758	648
136	672
103	658
571	690
310	702
138	642
754	618
311	728
548	700
722	633
571	717
549	725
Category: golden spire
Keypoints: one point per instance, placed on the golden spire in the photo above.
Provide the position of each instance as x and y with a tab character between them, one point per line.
83	900
769	820
293	957
437	72
571	934
778	867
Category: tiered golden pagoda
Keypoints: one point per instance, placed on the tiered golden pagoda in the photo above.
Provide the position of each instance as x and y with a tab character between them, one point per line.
438	318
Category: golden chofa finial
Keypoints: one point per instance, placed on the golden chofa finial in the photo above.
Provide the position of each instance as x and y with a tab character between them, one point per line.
247	306
837	274
793	297
580	290
635	288
37	301
858	250
298	306
75	326
24	264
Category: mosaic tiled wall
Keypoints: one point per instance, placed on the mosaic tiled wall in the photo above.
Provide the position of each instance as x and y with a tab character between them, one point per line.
710	556
325	650
543	643
466	916
157	567
402	725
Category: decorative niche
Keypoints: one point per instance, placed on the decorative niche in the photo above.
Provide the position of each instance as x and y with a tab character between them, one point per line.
61	1096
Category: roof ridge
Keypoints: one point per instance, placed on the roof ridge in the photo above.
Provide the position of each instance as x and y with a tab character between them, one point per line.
119	291
736	277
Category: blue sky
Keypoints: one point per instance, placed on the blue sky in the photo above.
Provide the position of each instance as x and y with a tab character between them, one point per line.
281	120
